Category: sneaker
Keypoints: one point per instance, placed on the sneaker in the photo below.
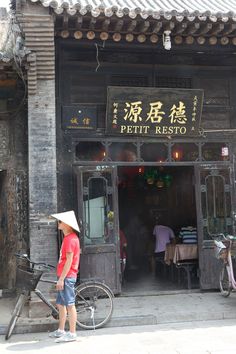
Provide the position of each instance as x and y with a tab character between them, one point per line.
67	337
57	334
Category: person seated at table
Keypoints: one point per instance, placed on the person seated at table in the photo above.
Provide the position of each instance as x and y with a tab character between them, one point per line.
188	235
163	235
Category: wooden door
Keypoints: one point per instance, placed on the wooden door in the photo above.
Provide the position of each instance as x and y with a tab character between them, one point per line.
214	212
98	211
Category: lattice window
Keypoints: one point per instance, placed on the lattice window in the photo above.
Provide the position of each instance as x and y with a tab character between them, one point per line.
129	80
175	82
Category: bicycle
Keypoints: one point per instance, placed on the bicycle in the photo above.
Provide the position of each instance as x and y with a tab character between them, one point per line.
223	251
93	300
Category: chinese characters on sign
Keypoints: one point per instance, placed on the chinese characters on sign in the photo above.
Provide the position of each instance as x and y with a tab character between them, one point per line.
79	117
153	111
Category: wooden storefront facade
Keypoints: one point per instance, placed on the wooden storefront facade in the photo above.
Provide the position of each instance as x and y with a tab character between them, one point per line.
93	54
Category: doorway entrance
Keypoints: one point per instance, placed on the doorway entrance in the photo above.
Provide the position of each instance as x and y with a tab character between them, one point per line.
149	196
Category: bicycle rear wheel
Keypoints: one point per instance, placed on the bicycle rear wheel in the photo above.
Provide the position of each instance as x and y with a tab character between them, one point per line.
16	313
225	284
94	305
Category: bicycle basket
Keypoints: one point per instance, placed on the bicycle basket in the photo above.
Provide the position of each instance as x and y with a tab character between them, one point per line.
27	278
221	251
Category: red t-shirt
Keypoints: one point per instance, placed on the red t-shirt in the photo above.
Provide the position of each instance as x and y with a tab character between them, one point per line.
70	243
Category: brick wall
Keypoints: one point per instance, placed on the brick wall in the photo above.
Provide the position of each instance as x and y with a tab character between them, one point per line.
42	171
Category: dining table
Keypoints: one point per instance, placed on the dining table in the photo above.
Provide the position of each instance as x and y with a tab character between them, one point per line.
180	252
182	256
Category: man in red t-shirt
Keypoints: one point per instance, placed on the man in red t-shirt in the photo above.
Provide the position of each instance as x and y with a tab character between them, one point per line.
67	269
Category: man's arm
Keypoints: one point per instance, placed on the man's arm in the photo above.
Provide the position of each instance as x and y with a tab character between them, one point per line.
66	268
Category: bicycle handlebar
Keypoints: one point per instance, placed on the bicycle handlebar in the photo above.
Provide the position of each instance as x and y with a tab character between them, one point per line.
26	258
224	237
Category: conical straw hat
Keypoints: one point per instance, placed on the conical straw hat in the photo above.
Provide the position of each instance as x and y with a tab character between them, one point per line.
68	217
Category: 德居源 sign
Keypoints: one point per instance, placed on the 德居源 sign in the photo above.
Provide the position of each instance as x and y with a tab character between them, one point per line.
148	111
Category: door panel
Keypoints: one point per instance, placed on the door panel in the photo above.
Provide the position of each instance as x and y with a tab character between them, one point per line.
98	211
214	205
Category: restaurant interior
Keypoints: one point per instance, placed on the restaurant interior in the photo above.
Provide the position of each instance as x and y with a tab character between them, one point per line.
149	196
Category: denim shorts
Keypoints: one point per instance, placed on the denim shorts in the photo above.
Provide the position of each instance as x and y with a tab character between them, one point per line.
66	296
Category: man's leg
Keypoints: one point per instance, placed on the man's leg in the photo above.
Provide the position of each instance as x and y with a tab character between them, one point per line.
72	314
62	316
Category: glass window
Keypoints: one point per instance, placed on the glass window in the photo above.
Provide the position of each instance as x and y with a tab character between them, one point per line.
90	151
184	152
98	208
126	152
216	204
154	152
215	152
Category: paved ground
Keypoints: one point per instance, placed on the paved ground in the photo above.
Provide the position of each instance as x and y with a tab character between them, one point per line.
143	309
198	337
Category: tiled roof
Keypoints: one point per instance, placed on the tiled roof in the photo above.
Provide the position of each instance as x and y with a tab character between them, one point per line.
180	9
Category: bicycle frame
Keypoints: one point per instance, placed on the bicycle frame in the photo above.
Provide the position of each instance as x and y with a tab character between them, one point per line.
229	267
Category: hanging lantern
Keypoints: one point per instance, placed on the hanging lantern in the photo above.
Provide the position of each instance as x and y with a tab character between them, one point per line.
150	180
160	183
141	169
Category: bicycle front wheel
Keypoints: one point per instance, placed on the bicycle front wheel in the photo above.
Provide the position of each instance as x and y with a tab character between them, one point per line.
225	284
94	305
16	313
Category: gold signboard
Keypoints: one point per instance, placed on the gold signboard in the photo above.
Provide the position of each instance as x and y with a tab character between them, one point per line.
147	111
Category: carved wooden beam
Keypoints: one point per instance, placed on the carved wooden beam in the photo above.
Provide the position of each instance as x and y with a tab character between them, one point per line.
156	28
79	22
205	28
92	23
217	28
105	24
118	26
192	29
131	26
180	28
169	26
144	26
229	29
65	21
